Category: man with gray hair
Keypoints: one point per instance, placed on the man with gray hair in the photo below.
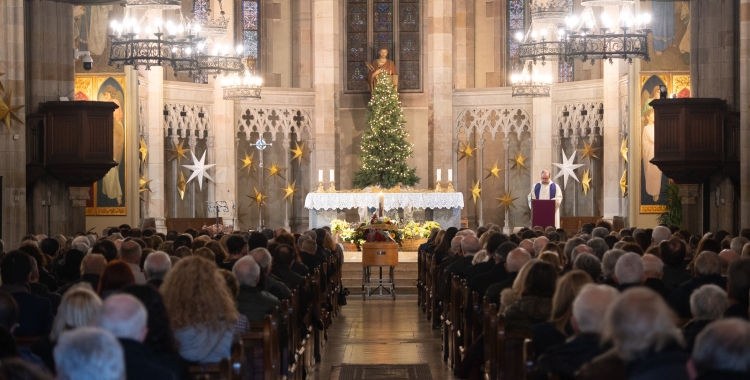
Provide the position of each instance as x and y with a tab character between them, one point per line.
539	244
456	252
629	271
598	246
707	303
253	302
660	234
528	245
92	267
570	245
271	283
609	260
642	330
737	244
130	253
589	264
125	317
81	243
599	232
588	311
517	258
89	353
722	351
726	258
156	266
707	270
653	271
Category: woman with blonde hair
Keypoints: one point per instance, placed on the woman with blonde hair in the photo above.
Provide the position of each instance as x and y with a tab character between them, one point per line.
79	307
201	310
438	240
510	296
552	258
558	328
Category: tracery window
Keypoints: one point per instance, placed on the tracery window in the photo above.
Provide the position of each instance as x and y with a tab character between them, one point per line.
248	28
516	23
372	25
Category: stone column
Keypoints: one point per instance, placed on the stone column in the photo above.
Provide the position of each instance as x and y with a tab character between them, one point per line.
302	44
610	153
542	114
439	84
744	107
225	154
464	43
156	207
78	196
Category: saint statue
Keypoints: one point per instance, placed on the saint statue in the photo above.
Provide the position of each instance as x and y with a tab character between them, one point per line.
382	64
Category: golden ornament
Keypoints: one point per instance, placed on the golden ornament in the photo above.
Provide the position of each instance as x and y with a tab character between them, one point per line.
247	162
467	151
586	182
289	191
275	171
143	150
588	152
518	162
1	83
7	110
178	151
507	200
624	149
299	152
258	198
624	183
181	185
494	172
476	192
143	186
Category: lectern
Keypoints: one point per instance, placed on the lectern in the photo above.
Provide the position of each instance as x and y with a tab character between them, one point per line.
543	213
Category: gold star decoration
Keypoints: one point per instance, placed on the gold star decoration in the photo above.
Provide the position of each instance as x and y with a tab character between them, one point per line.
299	152
143	149
476	192
247	162
518	162
7	110
467	151
181	185
588	152
624	183
143	186
624	149
258	198
494	172
289	190
586	182
275	171
1	83
177	152
507	200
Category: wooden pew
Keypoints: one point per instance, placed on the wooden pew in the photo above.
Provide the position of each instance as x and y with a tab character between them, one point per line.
231	368
262	352
528	359
510	353
476	307
428	286
420	280
436	317
490	336
445	317
457	319
467	318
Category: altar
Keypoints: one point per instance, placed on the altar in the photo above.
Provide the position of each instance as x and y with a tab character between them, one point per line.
442	207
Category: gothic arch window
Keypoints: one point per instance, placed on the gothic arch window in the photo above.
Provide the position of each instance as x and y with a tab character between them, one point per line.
394	25
516	23
247	27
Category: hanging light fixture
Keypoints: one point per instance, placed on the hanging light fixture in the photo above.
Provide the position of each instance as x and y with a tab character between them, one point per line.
212	27
223	59
245	86
153	4
530	85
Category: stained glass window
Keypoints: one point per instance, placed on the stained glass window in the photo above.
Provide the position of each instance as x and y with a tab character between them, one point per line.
249	27
564	71
516	23
372	25
201	9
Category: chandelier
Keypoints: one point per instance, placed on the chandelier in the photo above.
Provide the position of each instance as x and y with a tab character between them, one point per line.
153	4
212	27
530	86
245	86
223	59
582	38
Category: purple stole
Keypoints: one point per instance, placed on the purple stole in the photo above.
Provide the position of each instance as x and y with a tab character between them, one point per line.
552	190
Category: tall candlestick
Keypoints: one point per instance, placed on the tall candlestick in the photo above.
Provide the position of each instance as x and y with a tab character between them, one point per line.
450	174
381	201
332	171
320	175
439	175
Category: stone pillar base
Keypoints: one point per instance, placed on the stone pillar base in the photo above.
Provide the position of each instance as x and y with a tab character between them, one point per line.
78	196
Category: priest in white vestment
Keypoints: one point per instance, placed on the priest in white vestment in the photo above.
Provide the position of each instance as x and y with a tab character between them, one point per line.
546	189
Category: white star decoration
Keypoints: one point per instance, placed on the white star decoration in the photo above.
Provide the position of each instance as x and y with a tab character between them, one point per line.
200	170
567	168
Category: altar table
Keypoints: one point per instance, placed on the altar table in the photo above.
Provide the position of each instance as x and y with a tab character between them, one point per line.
444	207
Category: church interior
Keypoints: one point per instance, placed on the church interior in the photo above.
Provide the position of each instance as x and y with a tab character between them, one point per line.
638	111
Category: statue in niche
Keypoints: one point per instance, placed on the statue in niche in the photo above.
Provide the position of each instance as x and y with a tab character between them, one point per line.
380	65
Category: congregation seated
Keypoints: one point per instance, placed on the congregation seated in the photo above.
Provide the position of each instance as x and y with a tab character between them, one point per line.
89	353
707	304
252	302
155	268
514	261
707	270
738	289
721	351
482	281
92	267
535	305
35	312
270	283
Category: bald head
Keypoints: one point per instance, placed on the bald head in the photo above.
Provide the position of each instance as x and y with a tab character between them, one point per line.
247	271
130	252
528	245
263	258
470	245
517	258
539	243
456	244
93	263
124	316
726	258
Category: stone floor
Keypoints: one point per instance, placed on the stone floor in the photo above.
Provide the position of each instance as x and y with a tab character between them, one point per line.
381	331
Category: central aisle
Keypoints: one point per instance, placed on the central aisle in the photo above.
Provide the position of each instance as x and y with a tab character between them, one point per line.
381	331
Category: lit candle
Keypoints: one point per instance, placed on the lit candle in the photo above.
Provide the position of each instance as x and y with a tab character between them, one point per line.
439	175
450	174
332	171
381	201
320	175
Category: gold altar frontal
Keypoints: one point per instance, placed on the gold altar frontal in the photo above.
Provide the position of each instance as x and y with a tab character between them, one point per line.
379	254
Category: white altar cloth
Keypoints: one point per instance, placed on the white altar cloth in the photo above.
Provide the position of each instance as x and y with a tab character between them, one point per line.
391	201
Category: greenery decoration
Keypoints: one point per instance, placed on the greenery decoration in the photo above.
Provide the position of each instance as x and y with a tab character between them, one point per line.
384	146
672	214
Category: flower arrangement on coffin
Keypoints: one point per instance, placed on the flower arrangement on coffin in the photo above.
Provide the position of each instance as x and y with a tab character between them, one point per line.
379	229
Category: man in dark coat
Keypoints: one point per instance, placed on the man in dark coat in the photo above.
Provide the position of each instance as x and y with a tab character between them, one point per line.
35	312
707	269
252	302
722	352
498	273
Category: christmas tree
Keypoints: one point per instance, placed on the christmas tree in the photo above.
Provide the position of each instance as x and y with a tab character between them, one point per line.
384	145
